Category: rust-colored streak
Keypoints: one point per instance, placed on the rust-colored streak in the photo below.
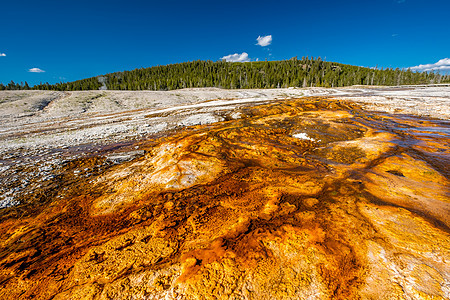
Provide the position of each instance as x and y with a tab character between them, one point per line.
300	199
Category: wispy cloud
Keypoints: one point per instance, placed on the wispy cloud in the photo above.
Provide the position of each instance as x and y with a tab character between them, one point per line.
401	1
394	34
441	65
264	41
36	70
243	57
2	54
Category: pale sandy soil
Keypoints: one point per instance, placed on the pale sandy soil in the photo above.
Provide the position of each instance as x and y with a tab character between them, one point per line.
63	119
44	129
421	101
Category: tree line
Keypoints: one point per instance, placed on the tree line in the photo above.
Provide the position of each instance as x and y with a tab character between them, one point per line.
305	72
15	86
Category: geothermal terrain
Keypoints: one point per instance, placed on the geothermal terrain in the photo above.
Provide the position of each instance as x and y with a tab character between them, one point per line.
225	194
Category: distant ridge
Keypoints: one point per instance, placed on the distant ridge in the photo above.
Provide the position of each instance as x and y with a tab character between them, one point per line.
305	72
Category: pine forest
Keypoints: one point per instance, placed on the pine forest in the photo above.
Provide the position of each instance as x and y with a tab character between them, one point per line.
305	72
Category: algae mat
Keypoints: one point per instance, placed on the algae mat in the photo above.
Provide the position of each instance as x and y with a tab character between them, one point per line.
302	199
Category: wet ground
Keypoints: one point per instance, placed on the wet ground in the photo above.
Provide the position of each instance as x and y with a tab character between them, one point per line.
310	198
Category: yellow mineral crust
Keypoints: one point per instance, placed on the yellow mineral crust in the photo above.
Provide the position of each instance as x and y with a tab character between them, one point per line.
300	199
414	258
171	166
411	183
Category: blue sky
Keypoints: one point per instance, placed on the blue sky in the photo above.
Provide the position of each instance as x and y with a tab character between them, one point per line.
70	40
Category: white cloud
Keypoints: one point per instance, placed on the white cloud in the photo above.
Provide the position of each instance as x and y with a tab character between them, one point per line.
243	57
264	41
2	54
441	65
36	70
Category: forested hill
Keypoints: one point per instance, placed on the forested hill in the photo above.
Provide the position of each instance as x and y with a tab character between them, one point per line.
305	72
